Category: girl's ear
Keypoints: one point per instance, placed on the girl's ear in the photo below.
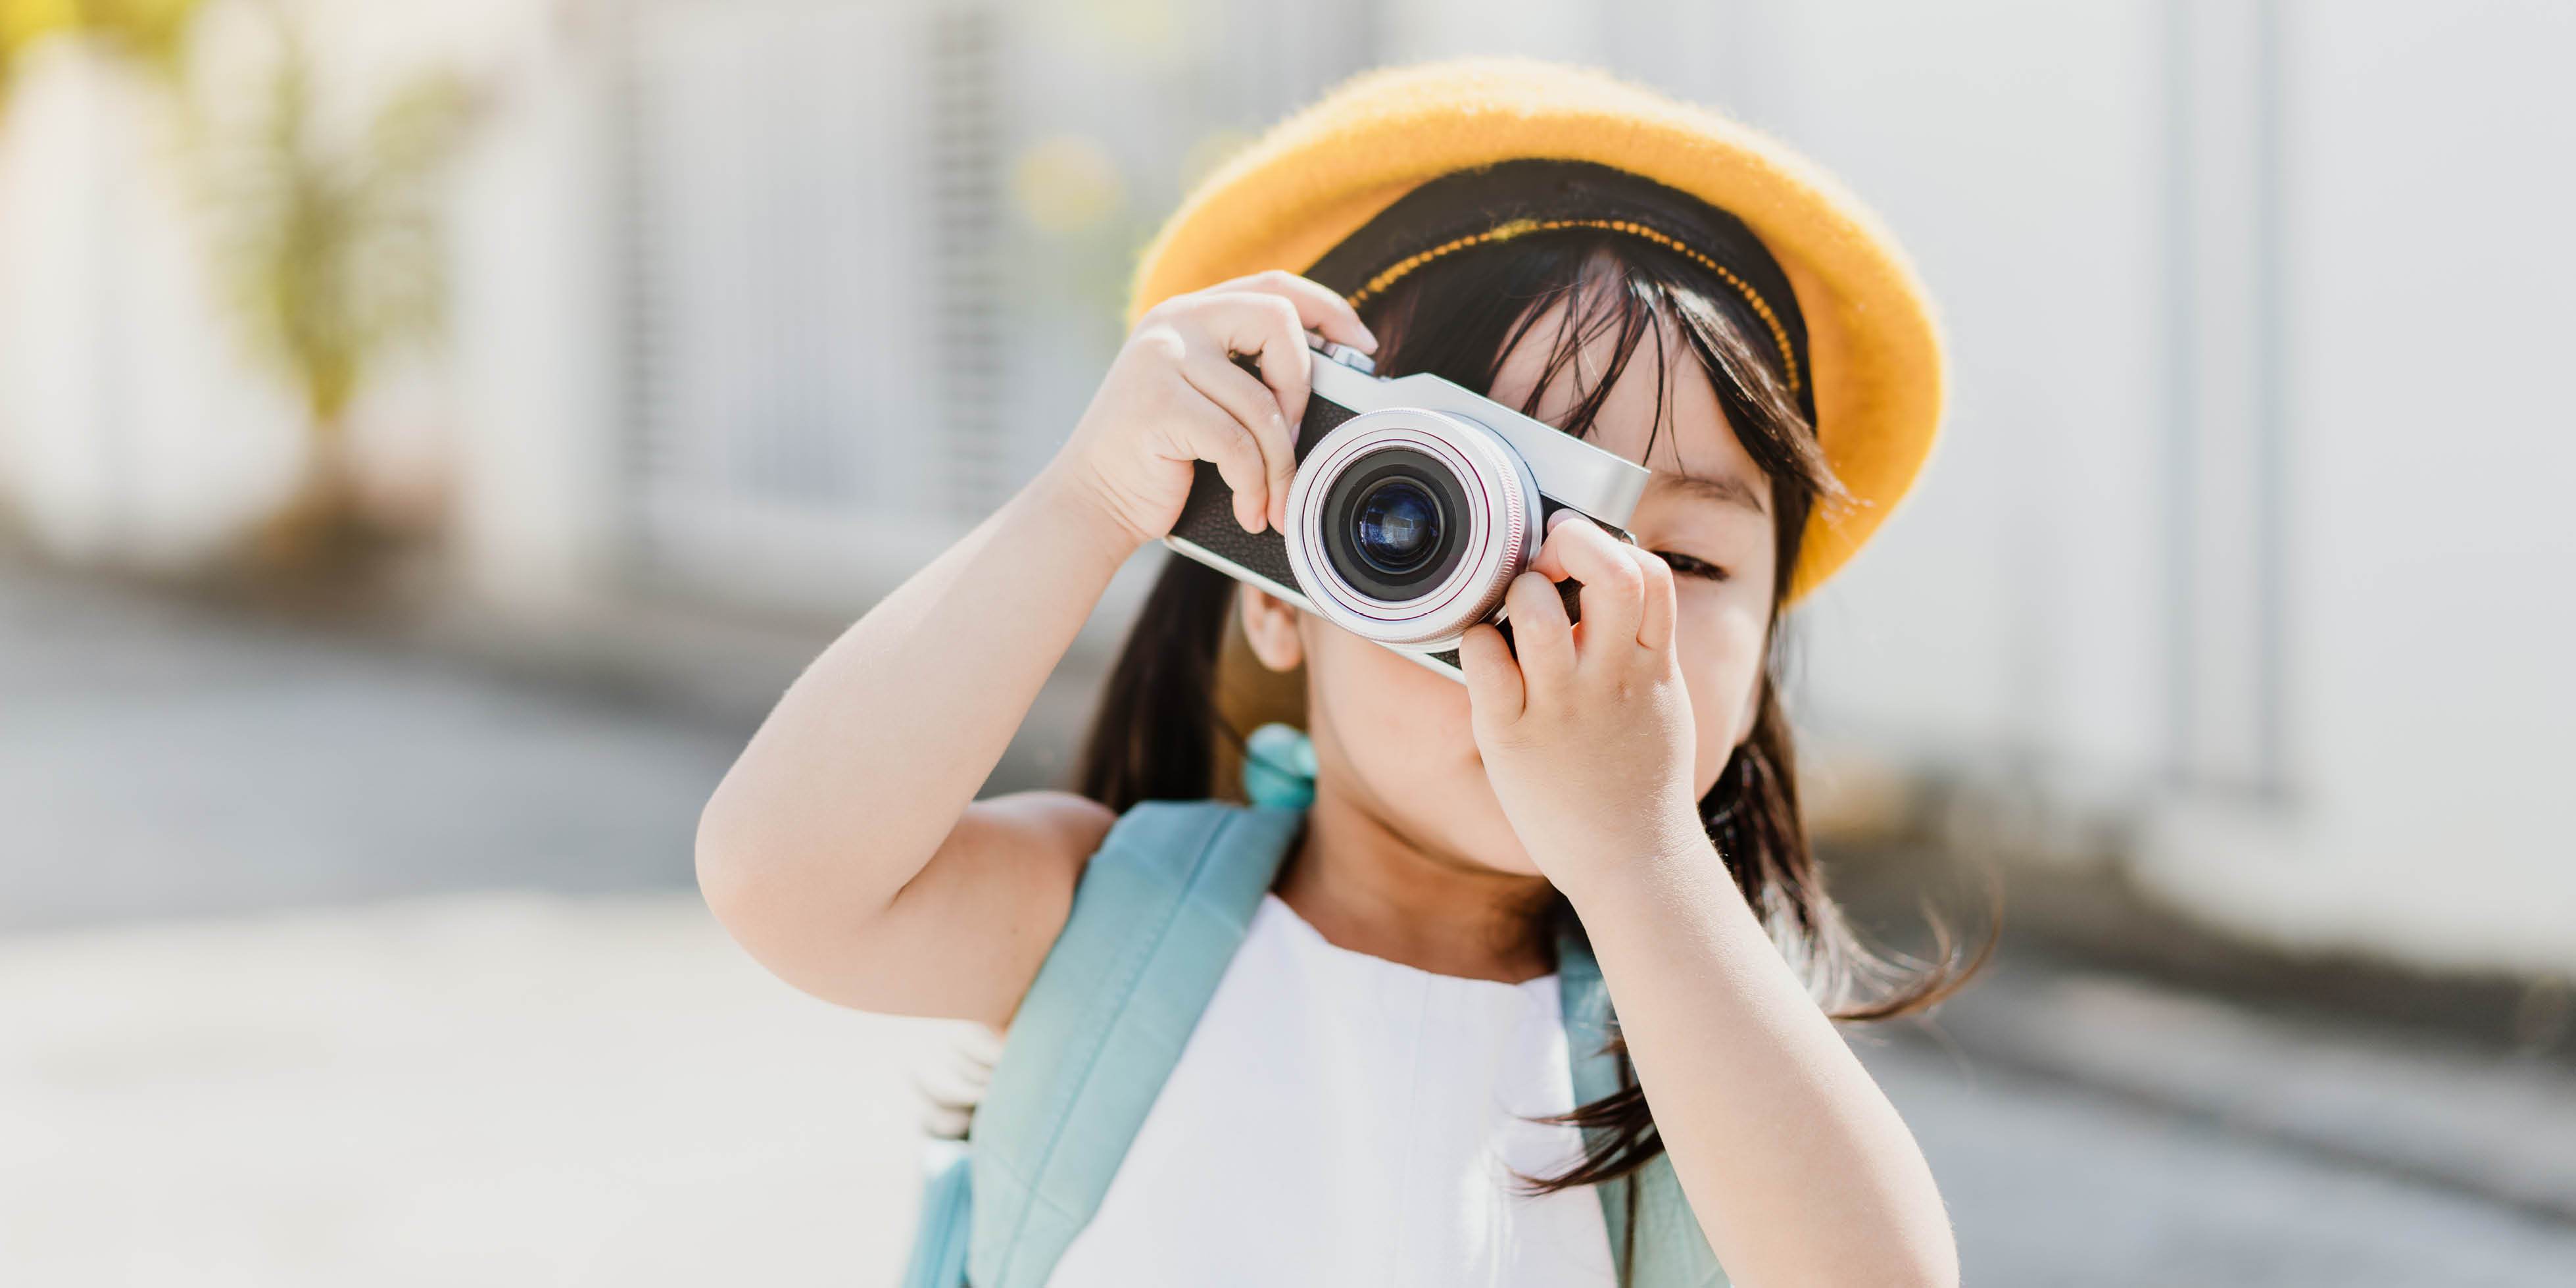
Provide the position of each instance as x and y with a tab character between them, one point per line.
1270	627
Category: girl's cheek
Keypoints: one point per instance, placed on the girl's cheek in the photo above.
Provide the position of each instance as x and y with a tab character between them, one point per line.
1722	649
1398	702
1409	734
1433	705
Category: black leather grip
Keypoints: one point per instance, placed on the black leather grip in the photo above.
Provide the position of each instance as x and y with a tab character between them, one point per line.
1207	515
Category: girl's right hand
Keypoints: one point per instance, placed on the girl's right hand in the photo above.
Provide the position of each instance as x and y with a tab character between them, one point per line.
1174	397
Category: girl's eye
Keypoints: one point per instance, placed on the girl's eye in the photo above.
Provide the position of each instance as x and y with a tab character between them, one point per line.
1689	567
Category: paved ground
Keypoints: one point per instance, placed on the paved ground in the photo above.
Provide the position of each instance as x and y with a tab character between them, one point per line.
157	759
329	962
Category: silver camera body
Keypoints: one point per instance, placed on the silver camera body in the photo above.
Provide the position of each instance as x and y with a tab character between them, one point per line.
1415	503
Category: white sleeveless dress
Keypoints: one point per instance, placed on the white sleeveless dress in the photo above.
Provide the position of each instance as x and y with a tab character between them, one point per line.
1340	1119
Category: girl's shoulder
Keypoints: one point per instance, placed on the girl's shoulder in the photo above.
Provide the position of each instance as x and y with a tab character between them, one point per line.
963	938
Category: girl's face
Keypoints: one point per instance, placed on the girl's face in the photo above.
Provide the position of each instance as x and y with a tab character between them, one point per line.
1394	737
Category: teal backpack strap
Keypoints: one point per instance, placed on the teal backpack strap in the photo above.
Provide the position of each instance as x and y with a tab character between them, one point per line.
1672	1251
940	1233
1157	916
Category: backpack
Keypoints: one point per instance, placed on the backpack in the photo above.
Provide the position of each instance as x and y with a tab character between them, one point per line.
1156	917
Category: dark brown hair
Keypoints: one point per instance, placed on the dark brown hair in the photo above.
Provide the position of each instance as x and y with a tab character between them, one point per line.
1159	732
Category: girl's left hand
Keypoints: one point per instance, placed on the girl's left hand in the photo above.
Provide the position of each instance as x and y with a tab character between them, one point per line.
1587	734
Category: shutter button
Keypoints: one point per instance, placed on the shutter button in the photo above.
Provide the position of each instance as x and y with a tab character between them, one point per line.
1349	357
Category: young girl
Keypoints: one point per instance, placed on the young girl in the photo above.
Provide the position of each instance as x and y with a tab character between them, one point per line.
1377	1090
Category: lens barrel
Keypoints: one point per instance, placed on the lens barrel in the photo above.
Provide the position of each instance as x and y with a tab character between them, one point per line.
1405	525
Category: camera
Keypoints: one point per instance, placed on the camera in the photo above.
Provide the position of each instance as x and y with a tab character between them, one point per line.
1415	503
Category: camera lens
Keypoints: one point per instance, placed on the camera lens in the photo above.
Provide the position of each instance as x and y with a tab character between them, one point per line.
1406	524
1393	525
1398	525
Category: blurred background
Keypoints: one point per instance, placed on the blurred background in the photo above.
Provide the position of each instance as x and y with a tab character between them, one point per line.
431	435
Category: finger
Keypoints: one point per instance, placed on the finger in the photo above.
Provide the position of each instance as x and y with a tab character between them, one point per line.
1211	433
1614	587
1253	406
1494	692
1266	326
1542	637
1318	306
1655	621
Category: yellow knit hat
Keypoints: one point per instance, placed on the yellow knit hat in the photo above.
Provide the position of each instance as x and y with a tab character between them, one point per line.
1322	173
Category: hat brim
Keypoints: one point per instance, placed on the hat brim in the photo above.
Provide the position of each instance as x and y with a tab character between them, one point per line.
1321	173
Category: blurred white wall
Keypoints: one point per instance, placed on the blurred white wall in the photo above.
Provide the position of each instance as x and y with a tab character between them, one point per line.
539	508
2429	597
2241	548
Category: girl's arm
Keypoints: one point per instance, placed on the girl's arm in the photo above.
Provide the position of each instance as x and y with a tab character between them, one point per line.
1798	1168
845	848
842	849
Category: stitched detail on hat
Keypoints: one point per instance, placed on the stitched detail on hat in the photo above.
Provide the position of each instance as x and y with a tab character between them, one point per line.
1516	227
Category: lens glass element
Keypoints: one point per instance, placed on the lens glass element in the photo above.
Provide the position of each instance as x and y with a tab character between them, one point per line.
1398	525
1395	523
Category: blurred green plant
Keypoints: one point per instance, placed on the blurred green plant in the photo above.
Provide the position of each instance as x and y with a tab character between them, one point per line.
327	238
151	32
331	247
